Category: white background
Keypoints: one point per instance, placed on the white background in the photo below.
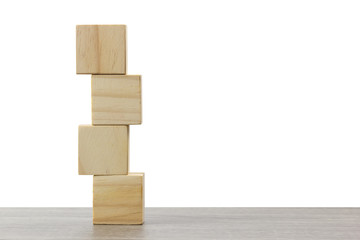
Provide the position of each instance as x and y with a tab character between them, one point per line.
253	103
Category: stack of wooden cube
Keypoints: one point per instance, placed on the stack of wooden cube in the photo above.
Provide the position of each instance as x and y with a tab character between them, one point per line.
118	196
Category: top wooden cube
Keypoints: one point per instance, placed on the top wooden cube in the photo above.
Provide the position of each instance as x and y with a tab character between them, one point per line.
101	49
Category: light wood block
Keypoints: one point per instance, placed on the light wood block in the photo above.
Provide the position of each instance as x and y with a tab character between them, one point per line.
103	150
116	99
101	49
118	199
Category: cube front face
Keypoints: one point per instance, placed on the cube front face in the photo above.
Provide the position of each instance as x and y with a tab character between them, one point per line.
118	199
101	49
116	99
103	150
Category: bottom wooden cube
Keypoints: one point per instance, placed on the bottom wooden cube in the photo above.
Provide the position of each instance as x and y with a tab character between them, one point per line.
118	199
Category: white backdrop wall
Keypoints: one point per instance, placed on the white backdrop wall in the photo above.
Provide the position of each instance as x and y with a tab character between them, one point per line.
245	103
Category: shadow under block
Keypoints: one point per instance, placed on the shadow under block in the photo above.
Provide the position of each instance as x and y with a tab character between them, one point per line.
116	99
118	199
101	49
103	150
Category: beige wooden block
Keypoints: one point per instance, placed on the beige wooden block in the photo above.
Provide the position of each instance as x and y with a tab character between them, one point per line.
118	199
101	49
103	150
116	99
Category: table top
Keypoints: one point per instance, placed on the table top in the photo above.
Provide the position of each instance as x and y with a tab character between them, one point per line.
186	223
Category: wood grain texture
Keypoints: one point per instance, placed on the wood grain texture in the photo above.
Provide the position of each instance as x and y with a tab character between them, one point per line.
185	223
116	99
118	199
103	150
101	49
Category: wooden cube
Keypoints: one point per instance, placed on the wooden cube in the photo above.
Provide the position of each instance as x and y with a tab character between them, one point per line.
101	49
116	99
103	150
118	199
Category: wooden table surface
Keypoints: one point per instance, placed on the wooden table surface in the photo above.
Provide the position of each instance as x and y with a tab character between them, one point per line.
186	223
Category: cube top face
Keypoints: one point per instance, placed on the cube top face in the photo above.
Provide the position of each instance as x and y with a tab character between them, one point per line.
101	49
118	199
103	150
116	99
